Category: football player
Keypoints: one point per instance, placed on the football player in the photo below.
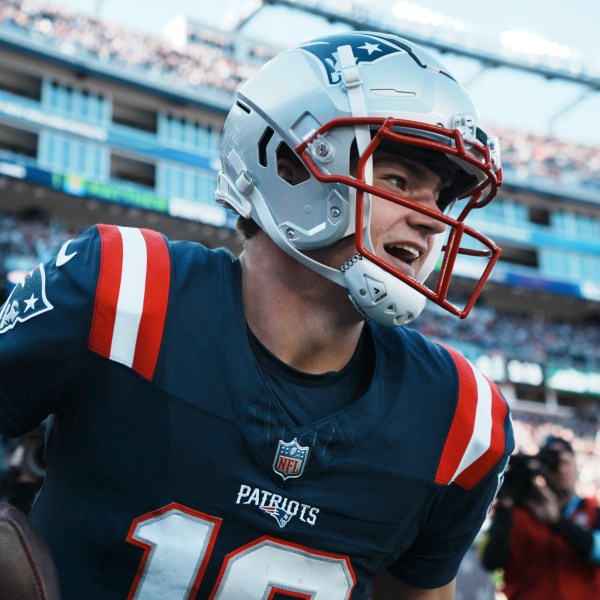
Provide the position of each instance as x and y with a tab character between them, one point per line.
264	427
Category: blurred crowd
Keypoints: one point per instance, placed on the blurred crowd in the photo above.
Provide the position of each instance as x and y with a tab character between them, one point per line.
32	236
549	158
27	240
207	65
522	337
79	34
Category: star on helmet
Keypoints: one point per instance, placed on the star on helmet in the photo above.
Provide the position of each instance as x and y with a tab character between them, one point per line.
370	48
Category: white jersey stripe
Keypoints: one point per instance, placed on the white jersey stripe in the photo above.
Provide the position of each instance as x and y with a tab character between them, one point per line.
482	432
131	296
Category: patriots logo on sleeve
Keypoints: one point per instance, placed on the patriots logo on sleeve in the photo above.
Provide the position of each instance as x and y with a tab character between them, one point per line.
366	49
27	300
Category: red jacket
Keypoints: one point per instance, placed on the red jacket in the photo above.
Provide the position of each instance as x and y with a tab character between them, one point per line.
544	566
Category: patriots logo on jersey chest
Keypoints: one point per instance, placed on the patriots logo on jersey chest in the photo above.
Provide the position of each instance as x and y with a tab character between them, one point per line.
27	300
279	514
290	459
281	508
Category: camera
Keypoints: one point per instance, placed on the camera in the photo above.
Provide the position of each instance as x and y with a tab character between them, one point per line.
522	471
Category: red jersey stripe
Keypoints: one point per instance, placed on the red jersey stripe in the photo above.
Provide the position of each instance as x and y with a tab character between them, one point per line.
463	423
479	469
156	298
107	290
115	297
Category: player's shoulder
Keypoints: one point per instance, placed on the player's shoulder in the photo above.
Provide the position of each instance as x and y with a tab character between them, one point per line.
471	409
421	352
194	255
480	437
126	251
438	357
141	276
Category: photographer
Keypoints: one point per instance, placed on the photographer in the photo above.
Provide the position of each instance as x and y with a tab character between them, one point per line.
543	535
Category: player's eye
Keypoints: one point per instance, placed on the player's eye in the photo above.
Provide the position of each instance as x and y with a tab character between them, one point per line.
396	182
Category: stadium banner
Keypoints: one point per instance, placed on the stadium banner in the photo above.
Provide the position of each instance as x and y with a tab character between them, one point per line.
120	193
573	380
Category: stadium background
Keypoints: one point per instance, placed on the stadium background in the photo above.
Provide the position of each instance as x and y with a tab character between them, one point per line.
103	122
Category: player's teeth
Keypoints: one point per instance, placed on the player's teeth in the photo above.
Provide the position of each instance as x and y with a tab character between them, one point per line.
409	249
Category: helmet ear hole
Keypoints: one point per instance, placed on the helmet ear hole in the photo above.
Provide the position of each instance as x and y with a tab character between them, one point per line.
289	166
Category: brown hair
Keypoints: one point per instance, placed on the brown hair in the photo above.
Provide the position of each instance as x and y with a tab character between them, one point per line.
246	228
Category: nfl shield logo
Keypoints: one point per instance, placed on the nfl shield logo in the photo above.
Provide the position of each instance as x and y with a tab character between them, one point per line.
290	459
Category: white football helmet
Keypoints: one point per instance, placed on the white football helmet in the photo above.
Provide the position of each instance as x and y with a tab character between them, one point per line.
334	100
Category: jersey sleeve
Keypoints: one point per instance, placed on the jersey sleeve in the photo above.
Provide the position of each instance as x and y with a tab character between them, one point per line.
453	521
470	469
105	294
44	327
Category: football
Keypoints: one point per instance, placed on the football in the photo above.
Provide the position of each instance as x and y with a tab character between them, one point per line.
27	570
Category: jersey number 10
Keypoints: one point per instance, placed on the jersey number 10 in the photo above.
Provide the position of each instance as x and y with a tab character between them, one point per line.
178	542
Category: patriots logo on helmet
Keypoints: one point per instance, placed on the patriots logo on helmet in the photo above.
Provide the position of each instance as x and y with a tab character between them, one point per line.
279	514
290	459
366	49
27	300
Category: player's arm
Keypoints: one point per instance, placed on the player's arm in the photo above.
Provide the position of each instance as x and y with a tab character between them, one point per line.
388	587
44	326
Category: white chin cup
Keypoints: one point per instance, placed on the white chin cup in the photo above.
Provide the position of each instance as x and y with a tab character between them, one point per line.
379	296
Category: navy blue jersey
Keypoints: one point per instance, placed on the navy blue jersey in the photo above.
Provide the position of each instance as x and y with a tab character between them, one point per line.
173	470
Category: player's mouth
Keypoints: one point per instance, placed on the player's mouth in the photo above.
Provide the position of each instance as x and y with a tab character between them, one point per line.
404	256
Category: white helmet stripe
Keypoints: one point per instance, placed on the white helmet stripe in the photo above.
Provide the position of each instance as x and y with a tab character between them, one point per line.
358	107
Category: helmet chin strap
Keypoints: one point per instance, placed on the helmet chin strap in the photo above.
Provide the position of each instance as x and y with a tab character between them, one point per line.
379	296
